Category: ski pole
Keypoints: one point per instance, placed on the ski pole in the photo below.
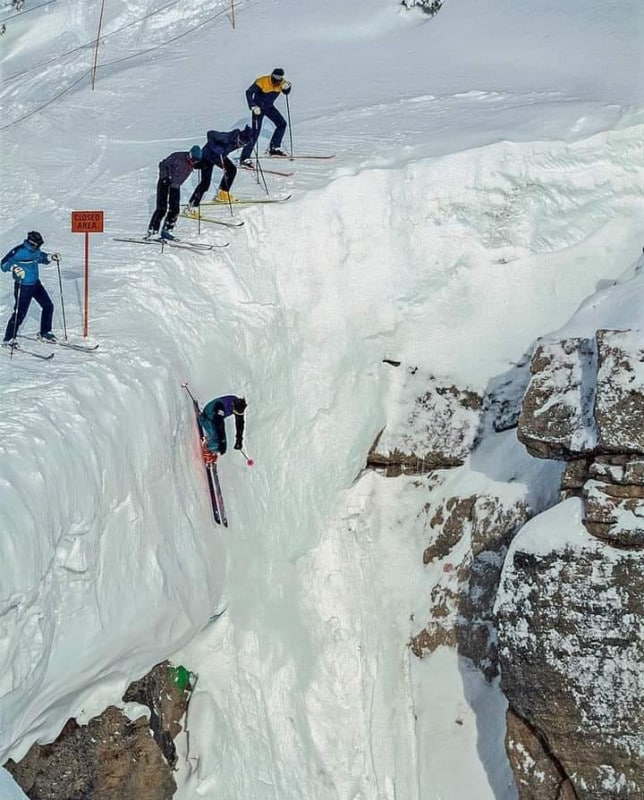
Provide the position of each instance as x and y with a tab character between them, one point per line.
290	130
62	299
260	171
249	461
187	388
15	319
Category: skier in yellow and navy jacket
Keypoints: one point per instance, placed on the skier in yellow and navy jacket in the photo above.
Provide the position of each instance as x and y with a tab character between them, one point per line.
261	97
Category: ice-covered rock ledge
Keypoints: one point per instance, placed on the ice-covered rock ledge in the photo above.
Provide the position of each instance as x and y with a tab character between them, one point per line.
570	609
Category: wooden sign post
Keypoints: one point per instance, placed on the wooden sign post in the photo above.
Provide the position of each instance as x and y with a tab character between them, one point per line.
87	222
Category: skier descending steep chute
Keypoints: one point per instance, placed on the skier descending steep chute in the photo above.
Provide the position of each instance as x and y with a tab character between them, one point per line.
213	419
210	465
212	437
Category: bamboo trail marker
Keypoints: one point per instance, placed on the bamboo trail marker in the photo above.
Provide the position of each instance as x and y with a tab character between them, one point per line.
87	222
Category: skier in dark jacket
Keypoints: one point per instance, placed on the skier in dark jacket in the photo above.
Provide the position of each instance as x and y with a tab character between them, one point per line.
261	97
213	418
215	153
23	262
173	172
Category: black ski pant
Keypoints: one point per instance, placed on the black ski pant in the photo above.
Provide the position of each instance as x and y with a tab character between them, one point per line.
167	197
230	170
278	134
23	295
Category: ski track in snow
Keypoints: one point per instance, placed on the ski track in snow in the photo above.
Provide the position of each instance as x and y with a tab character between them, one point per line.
457	222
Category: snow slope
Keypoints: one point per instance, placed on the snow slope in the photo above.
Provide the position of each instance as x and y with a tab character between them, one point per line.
488	177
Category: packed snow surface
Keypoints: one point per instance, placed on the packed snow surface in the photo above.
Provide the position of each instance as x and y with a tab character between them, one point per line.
487	178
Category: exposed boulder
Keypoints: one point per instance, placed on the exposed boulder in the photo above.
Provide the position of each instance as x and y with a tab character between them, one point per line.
619	407
436	426
570	616
556	419
112	757
585	404
476	530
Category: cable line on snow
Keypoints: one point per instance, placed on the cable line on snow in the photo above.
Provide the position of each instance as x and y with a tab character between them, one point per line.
44	105
86	46
26	11
115	61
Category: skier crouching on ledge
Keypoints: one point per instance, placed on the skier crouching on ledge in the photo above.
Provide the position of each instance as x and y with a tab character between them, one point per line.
213	419
23	262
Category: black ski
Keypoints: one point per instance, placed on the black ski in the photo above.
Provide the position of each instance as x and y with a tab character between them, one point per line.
181	244
212	476
16	348
218	494
81	348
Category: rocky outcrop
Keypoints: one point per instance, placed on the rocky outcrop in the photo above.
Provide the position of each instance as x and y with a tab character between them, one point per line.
436	426
571	645
113	757
462	598
585	404
570	606
556	418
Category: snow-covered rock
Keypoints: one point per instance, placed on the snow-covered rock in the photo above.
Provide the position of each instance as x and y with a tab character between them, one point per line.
570	617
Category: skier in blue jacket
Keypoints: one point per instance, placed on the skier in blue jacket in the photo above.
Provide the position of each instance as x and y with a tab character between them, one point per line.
261	96
23	262
215	153
213	418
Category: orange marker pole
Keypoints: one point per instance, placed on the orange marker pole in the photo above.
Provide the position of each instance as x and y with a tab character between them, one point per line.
86	294
87	222
98	39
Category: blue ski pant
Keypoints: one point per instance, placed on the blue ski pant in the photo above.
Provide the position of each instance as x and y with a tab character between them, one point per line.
215	432
278	134
167	197
230	170
23	295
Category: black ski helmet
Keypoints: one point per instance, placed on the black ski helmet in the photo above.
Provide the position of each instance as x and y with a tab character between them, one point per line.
277	75
33	237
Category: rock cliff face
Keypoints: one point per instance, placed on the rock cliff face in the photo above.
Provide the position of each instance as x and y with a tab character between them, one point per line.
570	610
469	521
113	757
436	426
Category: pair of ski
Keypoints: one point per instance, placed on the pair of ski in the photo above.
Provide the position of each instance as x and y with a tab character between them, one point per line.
212	475
18	348
180	244
197	216
285	158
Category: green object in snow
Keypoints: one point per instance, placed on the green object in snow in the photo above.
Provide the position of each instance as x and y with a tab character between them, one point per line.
180	677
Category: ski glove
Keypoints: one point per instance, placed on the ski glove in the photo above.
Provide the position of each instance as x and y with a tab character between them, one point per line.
256	110
286	86
56	257
238	444
18	273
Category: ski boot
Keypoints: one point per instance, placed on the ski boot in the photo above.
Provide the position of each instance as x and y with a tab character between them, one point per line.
277	151
224	197
208	456
47	337
165	234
